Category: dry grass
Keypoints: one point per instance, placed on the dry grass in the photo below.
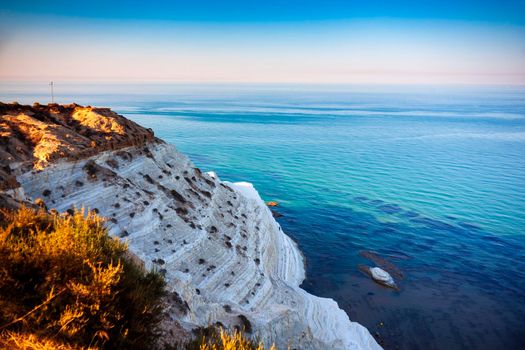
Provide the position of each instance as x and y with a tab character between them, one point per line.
22	341
213	339
64	280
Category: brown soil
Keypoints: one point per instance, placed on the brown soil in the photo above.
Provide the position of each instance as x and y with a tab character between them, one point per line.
35	136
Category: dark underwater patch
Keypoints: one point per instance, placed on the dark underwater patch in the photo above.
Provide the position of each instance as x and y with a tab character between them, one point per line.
395	254
410	214
385	229
390	208
433	223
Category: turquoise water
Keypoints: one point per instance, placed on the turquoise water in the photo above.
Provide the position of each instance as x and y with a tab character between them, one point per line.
430	178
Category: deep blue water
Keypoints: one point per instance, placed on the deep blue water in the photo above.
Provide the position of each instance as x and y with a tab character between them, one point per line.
432	179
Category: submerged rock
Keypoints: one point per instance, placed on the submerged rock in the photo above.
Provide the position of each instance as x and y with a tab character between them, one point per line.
276	214
379	276
383	263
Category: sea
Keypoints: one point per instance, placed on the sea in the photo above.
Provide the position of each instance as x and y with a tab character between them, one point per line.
426	181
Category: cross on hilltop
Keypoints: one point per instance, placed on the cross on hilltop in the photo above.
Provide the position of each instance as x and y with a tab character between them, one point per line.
52	92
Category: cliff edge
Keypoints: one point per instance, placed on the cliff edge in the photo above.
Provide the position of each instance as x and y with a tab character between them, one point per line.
34	136
225	259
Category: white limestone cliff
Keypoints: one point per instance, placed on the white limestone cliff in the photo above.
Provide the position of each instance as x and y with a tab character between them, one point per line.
220	249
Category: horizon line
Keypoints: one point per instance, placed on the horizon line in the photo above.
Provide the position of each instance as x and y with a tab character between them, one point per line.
212	82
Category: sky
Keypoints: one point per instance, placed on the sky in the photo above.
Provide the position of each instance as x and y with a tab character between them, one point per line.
325	41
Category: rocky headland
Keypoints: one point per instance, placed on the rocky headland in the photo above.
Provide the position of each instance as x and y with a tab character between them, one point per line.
224	257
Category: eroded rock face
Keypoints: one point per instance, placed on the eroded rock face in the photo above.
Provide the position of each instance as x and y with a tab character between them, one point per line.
224	257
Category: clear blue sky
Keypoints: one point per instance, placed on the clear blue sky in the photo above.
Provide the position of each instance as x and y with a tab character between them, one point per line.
264	41
502	11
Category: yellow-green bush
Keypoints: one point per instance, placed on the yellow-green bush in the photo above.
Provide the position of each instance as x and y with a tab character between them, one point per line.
212	339
63	279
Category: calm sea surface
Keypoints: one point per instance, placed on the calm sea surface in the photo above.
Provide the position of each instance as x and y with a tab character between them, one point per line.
431	179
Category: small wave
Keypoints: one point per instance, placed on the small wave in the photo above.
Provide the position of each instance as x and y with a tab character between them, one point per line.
496	136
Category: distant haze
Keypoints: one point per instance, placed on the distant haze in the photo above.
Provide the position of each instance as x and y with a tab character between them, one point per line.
324	42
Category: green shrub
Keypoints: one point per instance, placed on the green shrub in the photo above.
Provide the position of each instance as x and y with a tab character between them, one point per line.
64	279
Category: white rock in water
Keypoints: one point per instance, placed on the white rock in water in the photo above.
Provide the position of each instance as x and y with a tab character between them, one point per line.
382	277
